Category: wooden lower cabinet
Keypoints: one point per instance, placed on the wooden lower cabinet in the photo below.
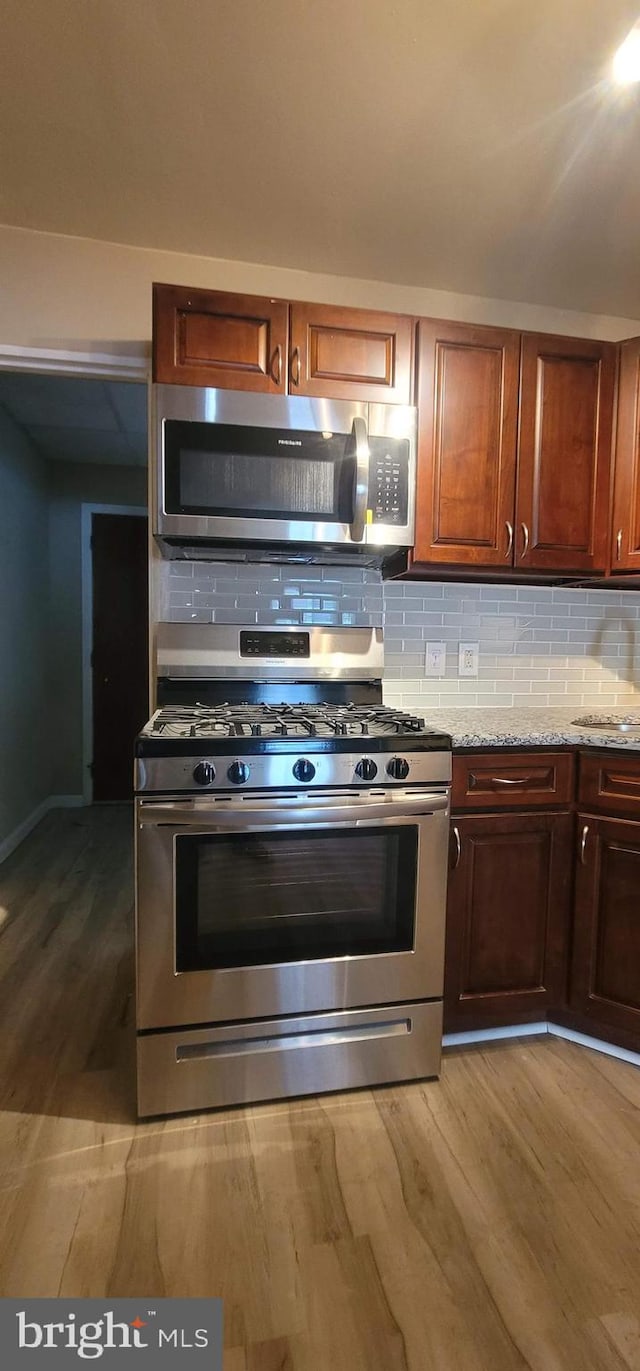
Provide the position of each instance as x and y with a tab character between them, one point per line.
605	968
507	918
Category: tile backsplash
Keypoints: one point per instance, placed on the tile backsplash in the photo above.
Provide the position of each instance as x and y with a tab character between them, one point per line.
538	645
225	593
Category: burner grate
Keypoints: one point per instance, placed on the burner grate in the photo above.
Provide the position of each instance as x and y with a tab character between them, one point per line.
282	721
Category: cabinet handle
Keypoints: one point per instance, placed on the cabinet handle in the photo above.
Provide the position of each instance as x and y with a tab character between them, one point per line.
583	845
525	535
295	366
520	780
456	835
619	545
509	550
276	365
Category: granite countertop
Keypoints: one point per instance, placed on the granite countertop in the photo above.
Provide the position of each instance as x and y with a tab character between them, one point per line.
532	727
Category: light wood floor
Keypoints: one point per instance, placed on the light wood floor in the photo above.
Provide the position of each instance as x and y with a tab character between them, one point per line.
486	1222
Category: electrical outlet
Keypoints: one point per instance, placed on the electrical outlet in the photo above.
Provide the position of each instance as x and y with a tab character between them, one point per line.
468	659
435	659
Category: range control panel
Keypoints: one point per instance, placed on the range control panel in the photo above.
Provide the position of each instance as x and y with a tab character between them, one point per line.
271	644
388	494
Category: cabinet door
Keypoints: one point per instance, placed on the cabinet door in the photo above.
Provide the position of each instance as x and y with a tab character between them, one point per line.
351	354
467	397
564	453
507	918
211	338
605	972
625	552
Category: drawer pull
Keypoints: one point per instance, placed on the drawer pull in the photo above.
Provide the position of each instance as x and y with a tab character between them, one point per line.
520	780
583	845
456	835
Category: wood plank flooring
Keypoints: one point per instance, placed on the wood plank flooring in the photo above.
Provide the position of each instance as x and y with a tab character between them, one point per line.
490	1220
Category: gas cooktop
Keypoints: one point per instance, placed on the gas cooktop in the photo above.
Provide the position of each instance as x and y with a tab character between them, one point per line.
248	721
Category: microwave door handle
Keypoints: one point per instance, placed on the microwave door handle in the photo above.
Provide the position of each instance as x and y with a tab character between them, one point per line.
361	482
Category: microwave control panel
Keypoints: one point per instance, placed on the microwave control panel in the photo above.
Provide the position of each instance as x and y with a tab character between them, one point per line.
388	481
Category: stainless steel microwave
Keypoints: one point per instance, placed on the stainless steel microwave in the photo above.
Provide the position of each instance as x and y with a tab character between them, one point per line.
237	470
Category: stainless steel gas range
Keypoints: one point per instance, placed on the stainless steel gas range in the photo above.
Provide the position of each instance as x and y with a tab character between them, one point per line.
291	846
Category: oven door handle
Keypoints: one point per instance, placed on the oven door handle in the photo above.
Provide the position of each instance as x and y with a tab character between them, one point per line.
225	815
361	480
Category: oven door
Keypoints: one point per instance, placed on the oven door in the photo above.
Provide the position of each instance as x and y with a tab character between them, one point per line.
265	907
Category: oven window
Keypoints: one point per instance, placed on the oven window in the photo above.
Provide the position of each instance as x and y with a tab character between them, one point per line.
226	470
253	899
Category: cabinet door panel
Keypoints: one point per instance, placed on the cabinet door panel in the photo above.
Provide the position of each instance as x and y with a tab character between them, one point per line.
507	918
212	338
605	975
350	353
564	454
625	552
468	379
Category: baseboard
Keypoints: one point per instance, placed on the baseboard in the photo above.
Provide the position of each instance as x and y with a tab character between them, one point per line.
485	1035
624	1054
527	1030
27	826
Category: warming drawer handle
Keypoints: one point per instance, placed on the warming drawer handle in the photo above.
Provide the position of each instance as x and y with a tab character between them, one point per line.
282	1042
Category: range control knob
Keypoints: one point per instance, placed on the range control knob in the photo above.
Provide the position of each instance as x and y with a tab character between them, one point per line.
366	769
204	773
238	773
398	769
304	770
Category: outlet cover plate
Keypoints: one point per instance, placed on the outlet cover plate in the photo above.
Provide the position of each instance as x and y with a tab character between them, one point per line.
468	654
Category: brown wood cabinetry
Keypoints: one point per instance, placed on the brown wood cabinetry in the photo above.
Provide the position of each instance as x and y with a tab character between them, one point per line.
544	507
247	342
605	969
212	338
564	453
507	918
625	526
467	399
351	352
610	782
489	780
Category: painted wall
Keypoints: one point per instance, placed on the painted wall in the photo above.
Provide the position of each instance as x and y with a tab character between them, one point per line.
71	484
88	296
25	771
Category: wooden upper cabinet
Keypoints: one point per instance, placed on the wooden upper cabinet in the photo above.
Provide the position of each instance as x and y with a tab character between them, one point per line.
564	453
211	338
351	353
467	398
625	551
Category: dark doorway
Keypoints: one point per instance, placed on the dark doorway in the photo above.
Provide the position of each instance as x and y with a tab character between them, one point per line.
120	667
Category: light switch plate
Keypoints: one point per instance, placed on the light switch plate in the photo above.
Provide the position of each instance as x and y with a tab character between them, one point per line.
468	654
435	659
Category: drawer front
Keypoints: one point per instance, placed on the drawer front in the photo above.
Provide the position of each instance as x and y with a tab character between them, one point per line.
498	780
609	781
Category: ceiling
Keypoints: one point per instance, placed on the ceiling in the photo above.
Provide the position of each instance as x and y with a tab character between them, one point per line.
72	420
470	145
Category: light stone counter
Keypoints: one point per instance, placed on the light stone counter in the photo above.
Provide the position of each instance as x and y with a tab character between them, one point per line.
485	728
